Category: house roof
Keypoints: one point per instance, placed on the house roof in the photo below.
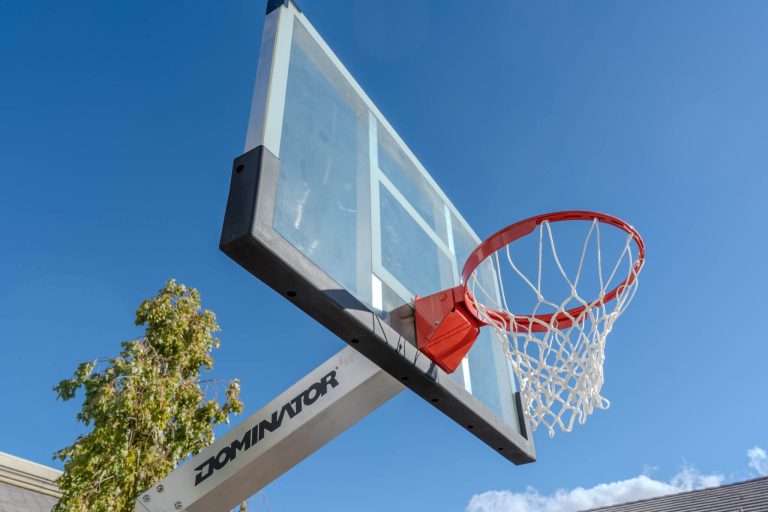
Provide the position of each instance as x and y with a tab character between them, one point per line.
747	496
26	486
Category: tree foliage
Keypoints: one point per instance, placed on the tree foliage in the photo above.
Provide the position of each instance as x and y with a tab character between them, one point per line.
147	408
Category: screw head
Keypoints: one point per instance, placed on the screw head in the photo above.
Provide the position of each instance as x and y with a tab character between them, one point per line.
177	505
159	488
145	498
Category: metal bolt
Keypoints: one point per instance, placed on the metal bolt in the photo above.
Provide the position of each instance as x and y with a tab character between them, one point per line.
159	488
145	498
177	505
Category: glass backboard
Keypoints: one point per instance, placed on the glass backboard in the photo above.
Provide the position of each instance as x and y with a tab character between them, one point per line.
330	208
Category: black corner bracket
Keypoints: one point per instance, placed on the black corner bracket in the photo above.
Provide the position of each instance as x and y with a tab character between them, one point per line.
274	4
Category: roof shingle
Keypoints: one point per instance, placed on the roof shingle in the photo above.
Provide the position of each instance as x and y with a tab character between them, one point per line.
748	496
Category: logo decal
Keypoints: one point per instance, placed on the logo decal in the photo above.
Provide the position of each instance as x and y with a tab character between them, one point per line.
306	398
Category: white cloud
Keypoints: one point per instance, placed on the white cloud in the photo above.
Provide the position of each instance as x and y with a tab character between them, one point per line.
758	460
563	500
689	479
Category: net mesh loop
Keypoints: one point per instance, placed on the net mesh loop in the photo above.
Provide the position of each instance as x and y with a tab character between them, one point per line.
558	364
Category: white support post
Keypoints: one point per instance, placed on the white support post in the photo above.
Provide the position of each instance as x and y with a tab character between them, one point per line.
323	404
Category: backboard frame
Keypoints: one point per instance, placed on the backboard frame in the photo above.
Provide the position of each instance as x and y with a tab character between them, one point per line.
249	238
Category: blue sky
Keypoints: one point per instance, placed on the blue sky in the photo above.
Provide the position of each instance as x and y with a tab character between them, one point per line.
119	121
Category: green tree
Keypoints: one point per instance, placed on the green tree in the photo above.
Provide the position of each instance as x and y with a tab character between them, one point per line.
147	408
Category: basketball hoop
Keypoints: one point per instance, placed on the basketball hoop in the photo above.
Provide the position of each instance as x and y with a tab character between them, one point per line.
557	356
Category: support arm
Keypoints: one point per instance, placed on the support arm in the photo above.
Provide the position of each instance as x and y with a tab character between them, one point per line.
302	419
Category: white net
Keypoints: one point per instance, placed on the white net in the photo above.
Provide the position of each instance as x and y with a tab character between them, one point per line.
557	350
